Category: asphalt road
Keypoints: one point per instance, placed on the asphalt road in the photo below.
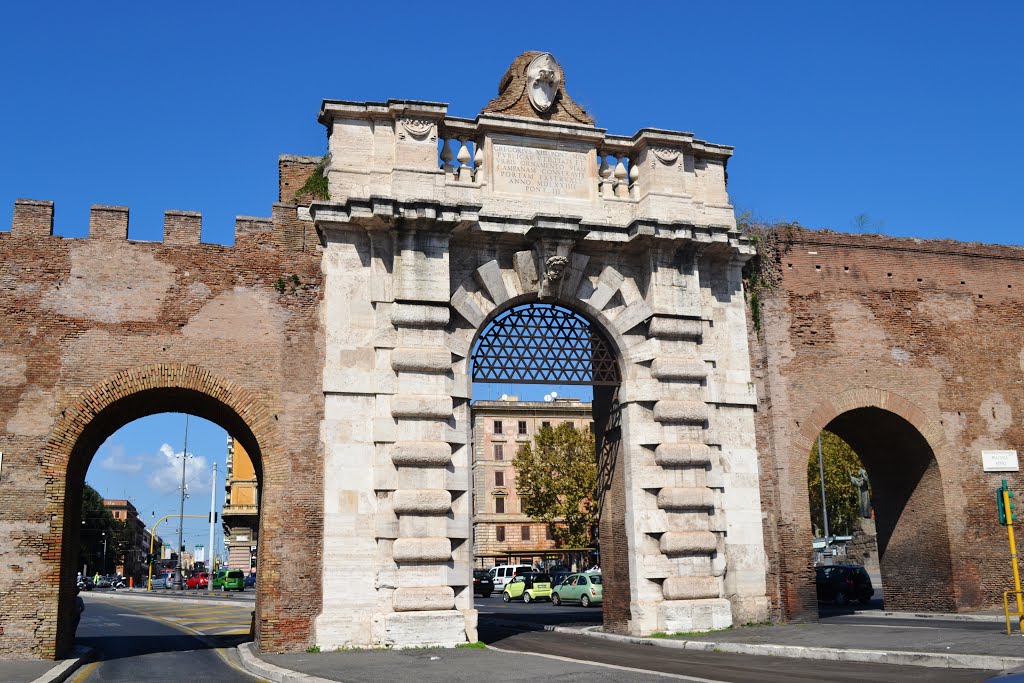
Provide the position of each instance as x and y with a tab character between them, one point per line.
134	646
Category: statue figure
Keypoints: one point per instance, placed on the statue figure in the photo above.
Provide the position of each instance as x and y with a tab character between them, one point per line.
555	268
860	480
543	78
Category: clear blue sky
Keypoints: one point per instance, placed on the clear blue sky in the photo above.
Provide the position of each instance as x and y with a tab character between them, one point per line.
907	112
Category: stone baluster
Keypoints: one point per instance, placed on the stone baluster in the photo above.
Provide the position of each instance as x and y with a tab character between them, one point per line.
478	160
605	171
634	175
464	157
621	187
446	157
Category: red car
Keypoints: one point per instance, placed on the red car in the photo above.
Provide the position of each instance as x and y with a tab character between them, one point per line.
200	580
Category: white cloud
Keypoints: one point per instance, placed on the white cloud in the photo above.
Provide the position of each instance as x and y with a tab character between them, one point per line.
165	476
120	461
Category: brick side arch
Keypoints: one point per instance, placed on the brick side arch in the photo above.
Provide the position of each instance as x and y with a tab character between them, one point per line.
97	413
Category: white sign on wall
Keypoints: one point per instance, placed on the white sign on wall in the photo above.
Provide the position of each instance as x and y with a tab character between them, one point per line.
999	461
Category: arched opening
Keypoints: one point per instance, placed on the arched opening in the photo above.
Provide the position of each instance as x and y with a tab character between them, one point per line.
564	370
97	415
905	504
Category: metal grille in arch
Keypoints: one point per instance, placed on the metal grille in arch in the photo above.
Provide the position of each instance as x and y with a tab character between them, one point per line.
542	344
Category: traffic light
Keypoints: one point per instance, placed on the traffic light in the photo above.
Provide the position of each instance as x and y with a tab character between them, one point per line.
1003	512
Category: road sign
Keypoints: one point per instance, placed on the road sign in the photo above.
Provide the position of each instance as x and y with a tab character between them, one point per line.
999	461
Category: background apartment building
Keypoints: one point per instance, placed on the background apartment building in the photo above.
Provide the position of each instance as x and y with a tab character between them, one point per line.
136	538
500	529
241	513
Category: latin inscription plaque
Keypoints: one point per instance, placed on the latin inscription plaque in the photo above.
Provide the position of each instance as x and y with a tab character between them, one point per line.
535	170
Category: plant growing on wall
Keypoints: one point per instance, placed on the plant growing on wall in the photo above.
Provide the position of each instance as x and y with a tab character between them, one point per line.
315	186
556	479
763	272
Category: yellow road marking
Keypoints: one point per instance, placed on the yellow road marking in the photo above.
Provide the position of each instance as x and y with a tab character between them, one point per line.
85	672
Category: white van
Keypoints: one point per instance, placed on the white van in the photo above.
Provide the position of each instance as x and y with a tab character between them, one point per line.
502	574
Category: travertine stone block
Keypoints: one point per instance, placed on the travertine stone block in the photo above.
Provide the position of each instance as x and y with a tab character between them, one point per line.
681	412
421	453
489	275
526	269
467	307
423	598
686	498
421	406
437	361
631	316
688	543
419	629
707	614
679	369
691	587
435	549
421	501
675	328
415	315
682	454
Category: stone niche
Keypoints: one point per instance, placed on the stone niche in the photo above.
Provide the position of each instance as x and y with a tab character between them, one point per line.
435	225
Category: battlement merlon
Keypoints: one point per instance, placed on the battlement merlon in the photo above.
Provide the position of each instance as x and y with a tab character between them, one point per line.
33	220
514	161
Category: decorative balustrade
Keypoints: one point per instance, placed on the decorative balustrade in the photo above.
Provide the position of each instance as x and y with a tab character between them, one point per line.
614	180
469	163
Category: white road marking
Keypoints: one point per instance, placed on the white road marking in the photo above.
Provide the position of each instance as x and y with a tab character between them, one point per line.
679	677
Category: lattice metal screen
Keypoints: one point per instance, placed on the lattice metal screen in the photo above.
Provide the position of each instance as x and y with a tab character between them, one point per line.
543	344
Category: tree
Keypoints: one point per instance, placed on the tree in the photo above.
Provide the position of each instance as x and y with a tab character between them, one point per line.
556	479
840	464
97	524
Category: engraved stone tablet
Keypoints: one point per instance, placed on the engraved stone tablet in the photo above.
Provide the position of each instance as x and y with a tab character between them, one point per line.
535	170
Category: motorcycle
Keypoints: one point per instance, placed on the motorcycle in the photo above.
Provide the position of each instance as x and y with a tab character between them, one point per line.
85	584
119	582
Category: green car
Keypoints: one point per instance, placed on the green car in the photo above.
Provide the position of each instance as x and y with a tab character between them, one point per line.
529	587
582	588
218	579
234	580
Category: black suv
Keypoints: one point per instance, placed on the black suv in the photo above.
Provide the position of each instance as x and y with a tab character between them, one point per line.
842	583
483	584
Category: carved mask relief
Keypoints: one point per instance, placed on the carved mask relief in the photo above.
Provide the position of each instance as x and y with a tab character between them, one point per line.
543	79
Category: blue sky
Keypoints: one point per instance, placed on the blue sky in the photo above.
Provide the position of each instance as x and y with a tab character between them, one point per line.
909	113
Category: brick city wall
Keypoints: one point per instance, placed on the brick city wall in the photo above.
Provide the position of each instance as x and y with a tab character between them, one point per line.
913	351
100	331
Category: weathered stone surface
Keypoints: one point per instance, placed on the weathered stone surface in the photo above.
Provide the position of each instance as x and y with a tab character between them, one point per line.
679	369
421	406
413	315
421	453
675	328
422	502
421	629
438	549
423	598
682	454
681	412
686	498
688	543
428	360
691	587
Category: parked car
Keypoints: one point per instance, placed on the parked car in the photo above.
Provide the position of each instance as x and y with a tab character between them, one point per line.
483	584
250	579
169	579
586	589
842	583
558	577
504	573
197	581
85	583
218	579
104	582
234	580
528	586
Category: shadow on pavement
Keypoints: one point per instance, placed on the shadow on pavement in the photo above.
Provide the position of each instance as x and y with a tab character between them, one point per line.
120	646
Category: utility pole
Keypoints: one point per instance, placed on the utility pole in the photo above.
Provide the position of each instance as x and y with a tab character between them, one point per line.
824	508
178	583
104	534
213	520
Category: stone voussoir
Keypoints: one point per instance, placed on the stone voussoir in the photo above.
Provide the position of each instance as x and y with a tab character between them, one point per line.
421	406
691	587
681	412
423	598
682	454
422	502
688	543
686	498
428	360
430	549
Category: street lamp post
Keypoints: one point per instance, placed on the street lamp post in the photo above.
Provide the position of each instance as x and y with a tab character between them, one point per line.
104	534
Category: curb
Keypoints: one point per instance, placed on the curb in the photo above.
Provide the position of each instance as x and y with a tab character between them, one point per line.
253	664
80	654
966	616
941	660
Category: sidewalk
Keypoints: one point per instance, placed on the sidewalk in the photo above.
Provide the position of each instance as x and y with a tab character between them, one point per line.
43	671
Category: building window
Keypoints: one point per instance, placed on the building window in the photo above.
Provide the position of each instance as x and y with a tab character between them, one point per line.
499	451
545	423
499	533
499	478
547	532
499	505
525	533
522	427
497	427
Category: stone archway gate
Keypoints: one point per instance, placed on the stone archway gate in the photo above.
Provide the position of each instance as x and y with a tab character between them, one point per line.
435	225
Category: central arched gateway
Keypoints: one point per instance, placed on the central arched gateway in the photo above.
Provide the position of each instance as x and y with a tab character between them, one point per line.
438	226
